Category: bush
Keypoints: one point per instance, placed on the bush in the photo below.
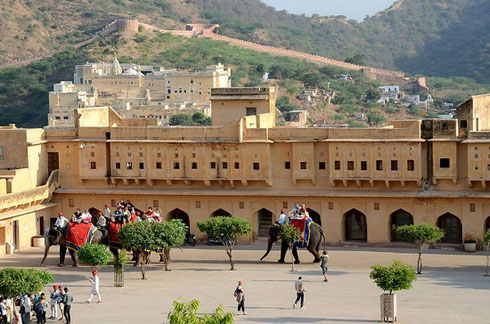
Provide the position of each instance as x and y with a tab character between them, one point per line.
398	276
186	312
22	281
95	255
290	234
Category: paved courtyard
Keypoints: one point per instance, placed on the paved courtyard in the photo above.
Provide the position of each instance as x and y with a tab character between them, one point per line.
451	289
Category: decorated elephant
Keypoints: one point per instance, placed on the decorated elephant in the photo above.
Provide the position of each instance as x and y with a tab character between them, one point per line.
316	236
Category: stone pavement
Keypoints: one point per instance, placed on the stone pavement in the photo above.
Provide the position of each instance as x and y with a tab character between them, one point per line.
451	289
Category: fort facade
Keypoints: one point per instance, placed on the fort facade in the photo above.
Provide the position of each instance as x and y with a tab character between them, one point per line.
359	184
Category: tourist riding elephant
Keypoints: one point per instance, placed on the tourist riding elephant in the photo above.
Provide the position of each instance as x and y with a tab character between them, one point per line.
315	240
56	236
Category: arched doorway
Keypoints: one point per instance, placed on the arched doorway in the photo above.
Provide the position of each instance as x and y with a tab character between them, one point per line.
355	226
180	214
265	218
487	224
314	216
453	230
220	212
399	218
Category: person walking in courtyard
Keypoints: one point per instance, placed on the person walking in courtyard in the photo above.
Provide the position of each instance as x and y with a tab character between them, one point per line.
300	292
25	309
240	298
67	300
95	287
61	296
324	266
3	311
54	302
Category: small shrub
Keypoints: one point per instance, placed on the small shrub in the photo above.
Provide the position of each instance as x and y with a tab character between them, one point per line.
398	276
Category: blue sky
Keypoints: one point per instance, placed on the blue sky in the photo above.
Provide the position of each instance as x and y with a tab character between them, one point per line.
353	9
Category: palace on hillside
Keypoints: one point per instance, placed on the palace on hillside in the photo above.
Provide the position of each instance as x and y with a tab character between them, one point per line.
135	91
359	184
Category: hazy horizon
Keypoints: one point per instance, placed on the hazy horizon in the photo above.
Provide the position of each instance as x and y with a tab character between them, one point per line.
352	9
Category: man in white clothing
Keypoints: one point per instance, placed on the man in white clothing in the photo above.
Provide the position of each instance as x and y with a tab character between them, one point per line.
61	221
107	212
86	217
282	218
95	287
54	302
300	292
27	303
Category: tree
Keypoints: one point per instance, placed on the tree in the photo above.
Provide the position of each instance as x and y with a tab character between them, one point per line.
375	118
95	255
138	236
119	262
419	235
181	120
22	281
357	59
398	276
198	118
167	235
373	95
290	234
186	312
227	230
486	244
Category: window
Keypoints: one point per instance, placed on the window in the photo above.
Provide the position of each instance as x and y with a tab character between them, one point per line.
68	167
92	154
321	165
251	111
444	163
287	165
472	208
141	154
194	165
284	204
66	117
476	156
198	204
237	165
156	203
113	202
350	165
337	165
1	153
142	165
241	204
71	203
213	165
225	165
410	165
117	154
363	165
330	205
302	165
394	165
118	165
376	206
176	165
463	124
379	165
129	165
256	166
159	165
93	165
488	167
129	154
159	155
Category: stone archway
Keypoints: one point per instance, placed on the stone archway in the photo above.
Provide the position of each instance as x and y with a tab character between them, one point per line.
315	216
180	214
265	218
355	226
453	230
220	212
399	218
487	224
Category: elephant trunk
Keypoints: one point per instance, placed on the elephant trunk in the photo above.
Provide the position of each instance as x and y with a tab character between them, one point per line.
46	250
269	247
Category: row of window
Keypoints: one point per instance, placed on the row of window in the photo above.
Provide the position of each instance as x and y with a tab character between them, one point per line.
176	165
379	165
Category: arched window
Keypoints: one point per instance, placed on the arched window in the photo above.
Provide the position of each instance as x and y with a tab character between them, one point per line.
265	218
355	226
220	212
453	231
399	218
315	216
180	214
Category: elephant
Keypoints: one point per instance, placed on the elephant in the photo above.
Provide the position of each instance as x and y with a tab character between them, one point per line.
316	237
56	236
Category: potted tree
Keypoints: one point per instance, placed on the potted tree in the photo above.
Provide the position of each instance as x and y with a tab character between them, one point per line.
291	235
469	243
486	245
395	277
119	262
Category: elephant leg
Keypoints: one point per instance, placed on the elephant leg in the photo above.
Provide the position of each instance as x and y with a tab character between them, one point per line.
62	255
295	255
314	250
74	257
115	252
284	249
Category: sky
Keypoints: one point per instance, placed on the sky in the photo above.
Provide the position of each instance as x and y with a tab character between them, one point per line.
352	9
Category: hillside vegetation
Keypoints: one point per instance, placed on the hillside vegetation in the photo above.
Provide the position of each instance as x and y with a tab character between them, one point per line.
430	37
24	90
